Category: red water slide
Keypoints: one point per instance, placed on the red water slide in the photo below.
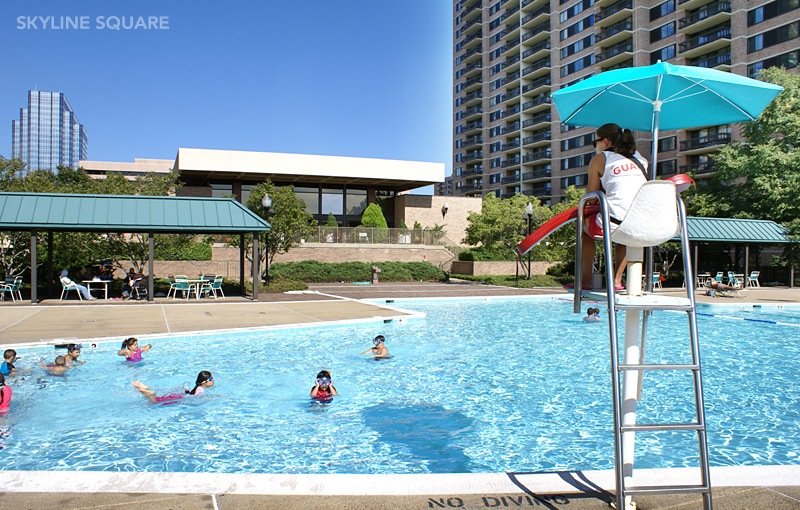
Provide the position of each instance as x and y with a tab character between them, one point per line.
682	182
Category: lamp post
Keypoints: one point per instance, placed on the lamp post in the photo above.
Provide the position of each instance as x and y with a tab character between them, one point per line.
267	203
529	217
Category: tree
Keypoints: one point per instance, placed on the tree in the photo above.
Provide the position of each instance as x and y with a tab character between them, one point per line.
288	218
760	178
500	225
373	217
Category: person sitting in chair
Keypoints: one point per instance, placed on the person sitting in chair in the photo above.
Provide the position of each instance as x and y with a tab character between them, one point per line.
66	281
132	280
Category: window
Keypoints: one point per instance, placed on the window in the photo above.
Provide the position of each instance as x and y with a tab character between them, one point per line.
577	142
311	198
575	10
495	178
575	47
787	60
664	54
662	32
221	190
773	37
578	27
661	10
770	10
575	180
667	167
356	201
577	65
576	161
668	144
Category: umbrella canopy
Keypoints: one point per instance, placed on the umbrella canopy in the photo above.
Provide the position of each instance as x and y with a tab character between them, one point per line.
663	96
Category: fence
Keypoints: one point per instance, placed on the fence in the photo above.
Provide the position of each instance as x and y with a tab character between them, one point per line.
376	235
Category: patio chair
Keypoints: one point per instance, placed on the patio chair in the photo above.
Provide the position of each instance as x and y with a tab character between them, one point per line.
718	277
182	284
139	288
752	280
68	285
215	286
11	286
733	280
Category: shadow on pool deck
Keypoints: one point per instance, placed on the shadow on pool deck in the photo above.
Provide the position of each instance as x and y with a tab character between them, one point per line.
21	323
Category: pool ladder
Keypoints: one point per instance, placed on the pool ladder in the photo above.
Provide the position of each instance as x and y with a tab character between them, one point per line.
633	367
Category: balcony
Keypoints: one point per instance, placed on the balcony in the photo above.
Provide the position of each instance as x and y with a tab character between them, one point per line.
472	156
536	120
537	138
614	13
513	128
509	95
471	55
537	155
471	187
472	126
710	15
510	162
538	192
706	42
703	144
536	104
528	5
509	146
615	54
721	61
541	32
510	112
475	66
615	33
688	5
537	174
477	36
510	180
472	171
698	168
540	15
543	82
511	32
538	68
538	51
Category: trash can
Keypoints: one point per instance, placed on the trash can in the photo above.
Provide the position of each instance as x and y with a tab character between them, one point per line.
597	280
375	271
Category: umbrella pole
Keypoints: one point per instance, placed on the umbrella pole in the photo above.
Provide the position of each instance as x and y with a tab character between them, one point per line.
653	171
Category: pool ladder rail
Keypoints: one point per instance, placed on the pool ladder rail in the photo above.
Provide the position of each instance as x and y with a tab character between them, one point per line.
632	367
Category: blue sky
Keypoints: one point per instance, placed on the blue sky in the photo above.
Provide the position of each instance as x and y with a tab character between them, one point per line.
366	78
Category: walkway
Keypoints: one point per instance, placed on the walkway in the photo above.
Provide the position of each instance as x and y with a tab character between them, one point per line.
734	488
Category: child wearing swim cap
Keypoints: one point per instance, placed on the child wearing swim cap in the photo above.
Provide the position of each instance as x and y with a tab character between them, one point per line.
323	388
380	350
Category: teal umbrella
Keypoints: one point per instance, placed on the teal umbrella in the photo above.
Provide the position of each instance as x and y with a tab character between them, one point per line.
663	96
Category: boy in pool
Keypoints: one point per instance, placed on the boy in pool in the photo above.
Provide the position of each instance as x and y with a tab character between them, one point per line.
380	350
73	351
591	315
204	380
9	357
324	389
132	351
57	368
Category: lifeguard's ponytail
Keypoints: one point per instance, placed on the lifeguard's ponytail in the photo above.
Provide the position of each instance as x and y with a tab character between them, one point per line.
622	139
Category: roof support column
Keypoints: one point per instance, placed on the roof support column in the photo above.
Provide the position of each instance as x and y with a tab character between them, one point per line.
747	260
50	275
34	264
256	260
151	251
241	266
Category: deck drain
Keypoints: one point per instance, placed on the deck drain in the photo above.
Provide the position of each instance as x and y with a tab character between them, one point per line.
262	313
207	313
89	320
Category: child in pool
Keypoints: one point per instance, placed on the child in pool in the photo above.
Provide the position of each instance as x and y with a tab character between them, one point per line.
324	389
5	394
9	357
57	368
73	351
132	351
204	380
380	350
591	315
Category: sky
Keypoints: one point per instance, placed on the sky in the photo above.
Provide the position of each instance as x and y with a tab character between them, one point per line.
362	78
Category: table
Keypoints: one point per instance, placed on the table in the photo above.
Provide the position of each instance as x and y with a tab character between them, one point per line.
197	283
104	283
703	280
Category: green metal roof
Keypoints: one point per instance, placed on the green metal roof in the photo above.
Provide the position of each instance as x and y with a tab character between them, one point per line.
125	213
733	230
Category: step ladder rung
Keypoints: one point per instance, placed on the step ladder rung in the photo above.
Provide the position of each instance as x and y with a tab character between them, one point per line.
664	366
667	489
653	427
673	308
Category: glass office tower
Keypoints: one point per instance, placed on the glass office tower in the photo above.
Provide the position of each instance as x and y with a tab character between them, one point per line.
509	55
47	133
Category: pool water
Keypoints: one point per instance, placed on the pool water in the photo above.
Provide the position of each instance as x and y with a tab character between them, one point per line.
477	386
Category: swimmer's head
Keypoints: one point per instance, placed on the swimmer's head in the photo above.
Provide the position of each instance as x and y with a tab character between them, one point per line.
378	340
204	377
323	373
61	361
128	342
74	350
10	354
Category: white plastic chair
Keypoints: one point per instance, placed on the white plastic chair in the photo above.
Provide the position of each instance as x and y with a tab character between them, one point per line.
68	285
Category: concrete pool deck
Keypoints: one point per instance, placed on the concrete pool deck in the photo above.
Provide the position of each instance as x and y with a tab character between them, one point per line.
776	487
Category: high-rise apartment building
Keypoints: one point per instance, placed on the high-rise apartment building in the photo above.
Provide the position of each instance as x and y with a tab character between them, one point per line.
510	54
47	133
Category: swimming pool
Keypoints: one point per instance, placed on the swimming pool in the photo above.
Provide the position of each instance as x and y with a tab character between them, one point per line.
479	386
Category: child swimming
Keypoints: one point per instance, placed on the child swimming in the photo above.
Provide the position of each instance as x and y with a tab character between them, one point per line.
591	315
204	380
380	350
58	367
132	351
9	357
324	389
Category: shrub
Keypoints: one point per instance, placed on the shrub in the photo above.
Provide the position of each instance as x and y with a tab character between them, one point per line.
311	271
285	285
188	251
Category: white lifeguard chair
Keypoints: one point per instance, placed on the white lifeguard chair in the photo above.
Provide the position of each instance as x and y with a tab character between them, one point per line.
656	216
